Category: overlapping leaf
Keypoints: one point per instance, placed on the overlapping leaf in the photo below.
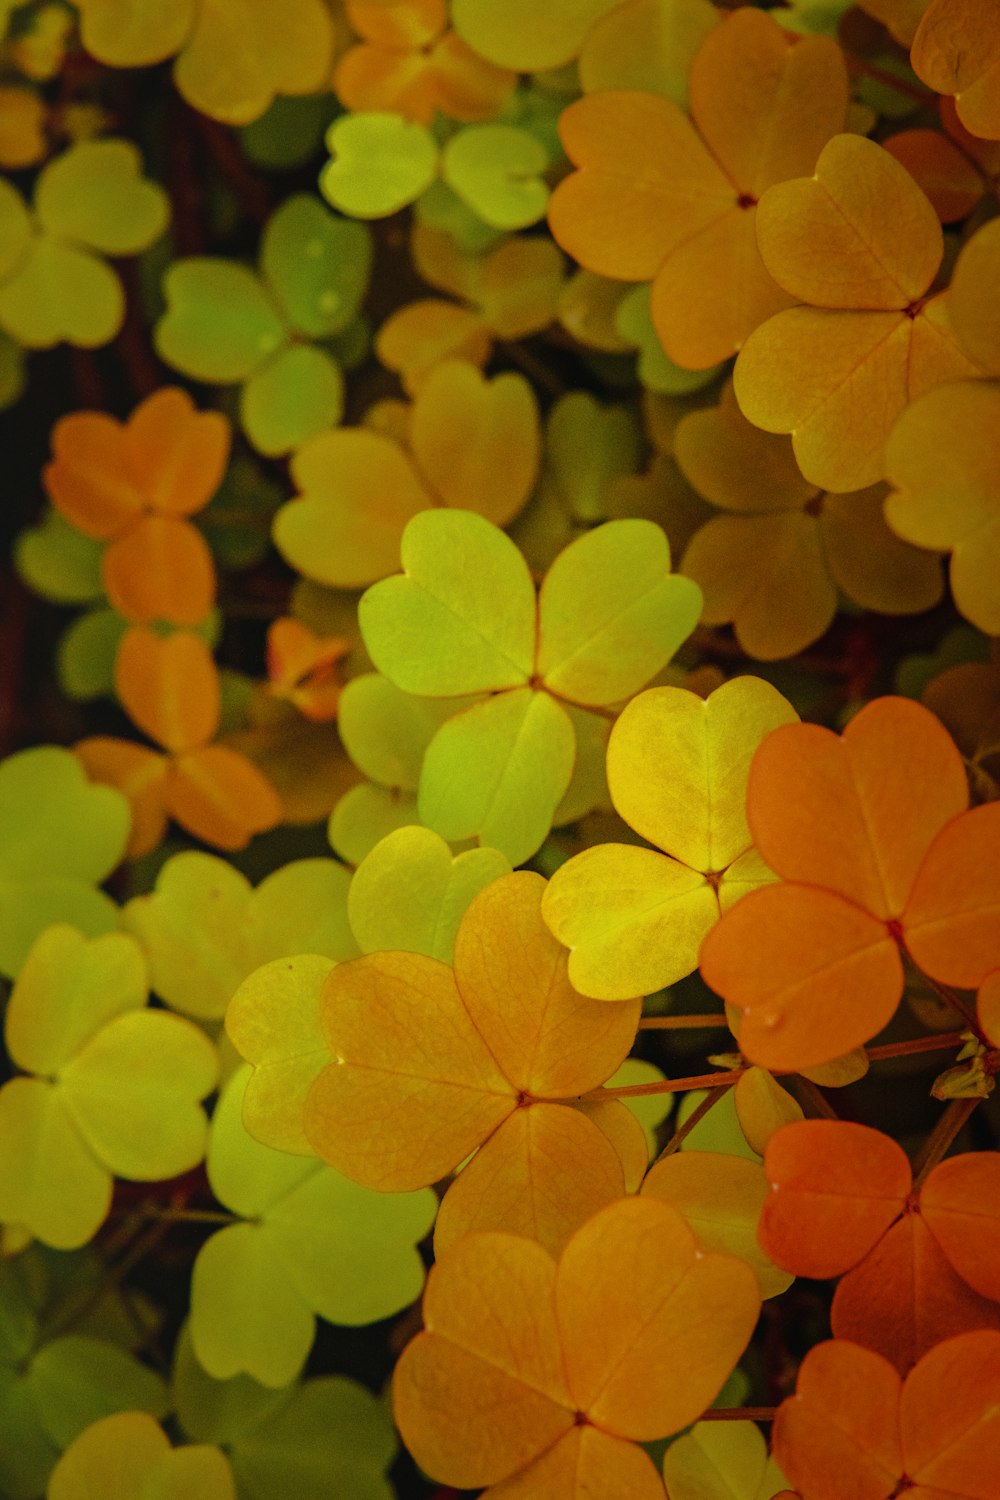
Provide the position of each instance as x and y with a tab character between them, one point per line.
807	545
59	838
113	1088
52	1388
875	849
170	688
473	444
634	918
324	1431
916	1266
267	53
308	1243
204	929
956	50
410	61
658	197
853	1426
721	1461
542	1373
463	619
508	292
859	245
503	1038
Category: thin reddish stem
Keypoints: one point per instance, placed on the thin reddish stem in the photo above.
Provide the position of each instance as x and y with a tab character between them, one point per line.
671	1085
940	1043
695	1118
739	1414
866	69
816	1097
682	1023
936	1145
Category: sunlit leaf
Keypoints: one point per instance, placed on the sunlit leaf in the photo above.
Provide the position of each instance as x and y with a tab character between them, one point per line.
497	772
611	614
466	588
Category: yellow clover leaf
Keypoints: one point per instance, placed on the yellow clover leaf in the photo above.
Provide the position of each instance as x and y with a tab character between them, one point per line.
109	1088
634	918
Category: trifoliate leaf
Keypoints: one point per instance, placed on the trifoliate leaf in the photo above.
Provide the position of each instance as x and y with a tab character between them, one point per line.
119	1092
204	929
317	1244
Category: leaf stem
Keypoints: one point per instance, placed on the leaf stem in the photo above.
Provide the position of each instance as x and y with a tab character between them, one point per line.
939	1043
947	1128
816	1098
696	1116
671	1085
738	1414
190	1215
682	1023
866	69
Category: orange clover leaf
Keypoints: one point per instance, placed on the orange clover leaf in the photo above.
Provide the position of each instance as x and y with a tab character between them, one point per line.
134	485
541	1373
659	197
947	497
859	245
508	293
878	856
807	545
431	1062
634	918
301	668
169	687
854	1427
410	61
473	444
957	51
916	1265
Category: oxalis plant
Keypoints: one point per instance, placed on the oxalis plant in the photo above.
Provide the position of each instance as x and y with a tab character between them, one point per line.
500	734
